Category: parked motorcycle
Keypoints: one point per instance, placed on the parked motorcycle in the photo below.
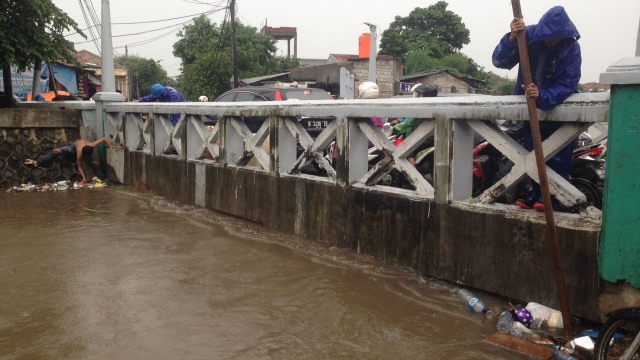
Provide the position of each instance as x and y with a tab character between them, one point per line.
587	172
587	169
619	337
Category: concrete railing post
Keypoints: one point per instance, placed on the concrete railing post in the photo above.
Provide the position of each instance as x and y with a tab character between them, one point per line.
115	159
357	145
619	247
442	158
282	145
341	162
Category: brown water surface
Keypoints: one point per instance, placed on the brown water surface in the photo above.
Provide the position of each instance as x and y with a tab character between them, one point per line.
115	274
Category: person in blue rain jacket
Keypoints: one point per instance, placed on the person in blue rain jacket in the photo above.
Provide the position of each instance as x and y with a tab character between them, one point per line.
555	58
164	94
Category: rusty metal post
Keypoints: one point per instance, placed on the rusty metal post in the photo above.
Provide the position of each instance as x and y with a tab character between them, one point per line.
558	269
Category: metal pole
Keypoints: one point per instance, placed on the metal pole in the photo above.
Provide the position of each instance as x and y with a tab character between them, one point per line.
558	271
234	54
52	79
373	52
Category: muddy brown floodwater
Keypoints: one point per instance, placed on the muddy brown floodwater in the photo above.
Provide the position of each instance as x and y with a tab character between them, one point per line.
116	274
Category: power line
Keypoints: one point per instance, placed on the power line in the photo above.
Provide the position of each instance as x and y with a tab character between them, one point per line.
202	2
88	22
144	22
154	30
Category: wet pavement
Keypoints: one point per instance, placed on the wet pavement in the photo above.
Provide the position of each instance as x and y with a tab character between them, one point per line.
113	273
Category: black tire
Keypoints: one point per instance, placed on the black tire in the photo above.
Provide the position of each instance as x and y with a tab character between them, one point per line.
589	190
614	338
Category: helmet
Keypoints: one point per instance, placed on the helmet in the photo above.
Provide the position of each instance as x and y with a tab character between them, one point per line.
524	316
203	98
368	90
157	90
425	90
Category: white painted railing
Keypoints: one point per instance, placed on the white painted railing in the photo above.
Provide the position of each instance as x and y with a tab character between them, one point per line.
272	149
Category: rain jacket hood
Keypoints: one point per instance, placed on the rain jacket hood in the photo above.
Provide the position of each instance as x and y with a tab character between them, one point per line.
555	25
555	69
164	94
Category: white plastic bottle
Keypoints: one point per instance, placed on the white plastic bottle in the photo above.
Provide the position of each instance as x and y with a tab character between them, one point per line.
504	322
475	304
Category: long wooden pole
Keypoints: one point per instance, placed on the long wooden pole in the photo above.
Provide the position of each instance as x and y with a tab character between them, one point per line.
558	270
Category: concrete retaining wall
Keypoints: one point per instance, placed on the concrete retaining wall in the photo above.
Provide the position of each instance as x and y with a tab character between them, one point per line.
481	247
28	133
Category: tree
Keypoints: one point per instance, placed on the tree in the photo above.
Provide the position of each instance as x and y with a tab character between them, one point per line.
143	73
205	52
505	86
421	60
433	29
31	31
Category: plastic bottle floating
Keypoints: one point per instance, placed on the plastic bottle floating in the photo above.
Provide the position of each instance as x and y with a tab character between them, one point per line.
475	304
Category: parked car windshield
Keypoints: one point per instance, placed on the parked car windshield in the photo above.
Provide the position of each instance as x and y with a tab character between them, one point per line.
305	94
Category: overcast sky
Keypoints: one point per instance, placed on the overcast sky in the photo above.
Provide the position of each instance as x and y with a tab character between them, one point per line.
609	28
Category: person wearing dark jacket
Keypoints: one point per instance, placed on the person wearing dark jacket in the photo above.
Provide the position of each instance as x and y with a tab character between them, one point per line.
164	94
555	58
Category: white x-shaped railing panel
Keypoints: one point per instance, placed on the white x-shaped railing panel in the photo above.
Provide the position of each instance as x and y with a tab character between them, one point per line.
176	136
147	132
208	138
525	161
313	149
252	142
166	128
134	134
397	157
115	120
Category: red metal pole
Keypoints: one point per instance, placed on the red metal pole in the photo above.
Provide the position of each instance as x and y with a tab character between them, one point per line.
558	270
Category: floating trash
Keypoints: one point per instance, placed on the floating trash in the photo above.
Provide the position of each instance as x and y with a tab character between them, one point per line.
62	185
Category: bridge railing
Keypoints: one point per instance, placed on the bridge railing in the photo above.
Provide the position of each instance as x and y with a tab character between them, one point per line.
282	147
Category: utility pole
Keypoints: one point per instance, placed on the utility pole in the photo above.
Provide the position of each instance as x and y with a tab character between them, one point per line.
107	75
373	52
234	53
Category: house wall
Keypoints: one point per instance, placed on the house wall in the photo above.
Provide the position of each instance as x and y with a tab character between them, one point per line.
387	73
328	73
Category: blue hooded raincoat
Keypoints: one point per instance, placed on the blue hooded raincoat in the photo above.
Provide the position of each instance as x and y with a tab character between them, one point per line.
169	95
555	70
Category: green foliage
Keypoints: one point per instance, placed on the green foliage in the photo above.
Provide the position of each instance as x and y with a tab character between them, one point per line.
421	60
505	86
205	51
143	73
434	29
457	63
31	30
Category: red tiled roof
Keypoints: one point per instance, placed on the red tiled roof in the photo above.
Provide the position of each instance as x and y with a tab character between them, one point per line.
85	57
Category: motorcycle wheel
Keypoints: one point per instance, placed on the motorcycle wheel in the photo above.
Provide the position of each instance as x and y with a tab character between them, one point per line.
589	190
615	338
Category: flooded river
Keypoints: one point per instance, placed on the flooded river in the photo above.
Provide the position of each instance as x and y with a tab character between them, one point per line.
117	274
